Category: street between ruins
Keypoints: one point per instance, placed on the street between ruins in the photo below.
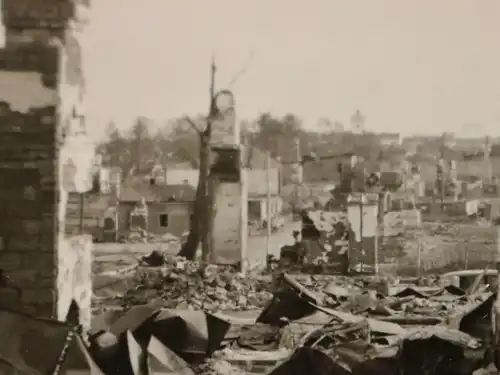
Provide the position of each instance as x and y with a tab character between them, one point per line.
120	256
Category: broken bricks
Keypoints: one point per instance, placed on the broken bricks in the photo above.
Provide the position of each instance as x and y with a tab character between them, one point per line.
366	344
357	324
183	284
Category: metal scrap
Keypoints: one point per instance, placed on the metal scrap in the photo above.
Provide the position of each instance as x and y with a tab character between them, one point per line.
357	324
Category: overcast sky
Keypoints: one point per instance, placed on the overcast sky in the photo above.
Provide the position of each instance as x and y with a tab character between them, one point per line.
413	66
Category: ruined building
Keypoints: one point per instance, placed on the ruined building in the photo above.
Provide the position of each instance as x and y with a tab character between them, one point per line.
42	90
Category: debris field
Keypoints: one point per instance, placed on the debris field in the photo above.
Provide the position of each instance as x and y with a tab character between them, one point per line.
181	318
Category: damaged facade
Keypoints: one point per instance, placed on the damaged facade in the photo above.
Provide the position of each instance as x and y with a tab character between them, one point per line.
42	88
162	209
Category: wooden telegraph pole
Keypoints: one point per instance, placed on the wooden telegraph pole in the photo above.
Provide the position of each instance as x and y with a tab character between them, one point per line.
298	160
268	204
442	183
496	311
487	158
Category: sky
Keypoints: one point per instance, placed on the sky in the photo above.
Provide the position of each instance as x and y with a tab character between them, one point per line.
409	66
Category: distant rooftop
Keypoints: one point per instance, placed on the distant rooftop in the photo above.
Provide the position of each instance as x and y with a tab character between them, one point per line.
157	193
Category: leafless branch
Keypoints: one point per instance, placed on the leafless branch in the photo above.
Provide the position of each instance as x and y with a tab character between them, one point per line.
193	124
211	110
242	71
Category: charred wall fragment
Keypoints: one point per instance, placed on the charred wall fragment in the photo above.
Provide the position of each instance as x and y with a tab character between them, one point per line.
41	88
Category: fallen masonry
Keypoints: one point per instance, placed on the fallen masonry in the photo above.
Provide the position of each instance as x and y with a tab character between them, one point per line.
181	318
181	284
426	247
293	324
164	314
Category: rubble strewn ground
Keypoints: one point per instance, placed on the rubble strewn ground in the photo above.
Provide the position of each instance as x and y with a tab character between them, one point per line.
280	323
346	322
181	284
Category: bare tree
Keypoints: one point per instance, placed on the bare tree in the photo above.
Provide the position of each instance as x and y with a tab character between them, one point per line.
141	145
199	225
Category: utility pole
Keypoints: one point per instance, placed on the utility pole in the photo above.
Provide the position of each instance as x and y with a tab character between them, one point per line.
361	212
268	204
361	250
442	166
496	311
298	160
487	159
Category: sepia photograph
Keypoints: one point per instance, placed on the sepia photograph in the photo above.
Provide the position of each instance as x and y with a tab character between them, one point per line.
249	187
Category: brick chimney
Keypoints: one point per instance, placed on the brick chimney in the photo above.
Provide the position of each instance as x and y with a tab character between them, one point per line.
43	61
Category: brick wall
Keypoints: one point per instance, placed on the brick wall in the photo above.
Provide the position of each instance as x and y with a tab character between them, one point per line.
28	191
41	85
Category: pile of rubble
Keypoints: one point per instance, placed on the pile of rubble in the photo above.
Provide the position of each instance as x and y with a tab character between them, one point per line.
183	284
316	325
139	235
403	245
439	247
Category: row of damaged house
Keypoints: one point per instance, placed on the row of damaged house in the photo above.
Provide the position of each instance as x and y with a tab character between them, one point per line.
339	240
160	200
344	230
109	214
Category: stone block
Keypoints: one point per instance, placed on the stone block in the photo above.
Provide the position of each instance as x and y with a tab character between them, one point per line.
39	296
12	178
47	282
25	278
23	209
48	239
10	261
23	243
32	227
33	66
46	167
8	225
49	199
10	299
44	309
46	263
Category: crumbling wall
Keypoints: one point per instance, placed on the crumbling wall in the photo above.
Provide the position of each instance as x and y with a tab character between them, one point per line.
226	232
41	91
228	187
74	282
28	165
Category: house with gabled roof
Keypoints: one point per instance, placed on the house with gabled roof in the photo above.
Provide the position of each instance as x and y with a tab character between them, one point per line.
167	209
